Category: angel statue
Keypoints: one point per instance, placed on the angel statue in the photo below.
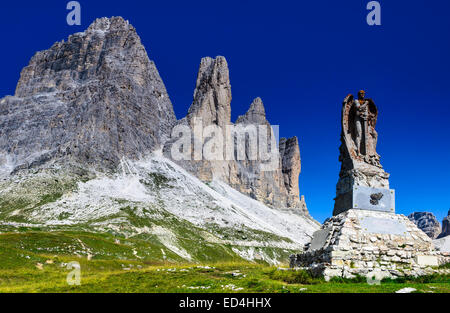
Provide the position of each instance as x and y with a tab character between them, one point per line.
359	118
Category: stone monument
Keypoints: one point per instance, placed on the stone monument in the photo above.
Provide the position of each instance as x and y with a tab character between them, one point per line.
365	236
363	184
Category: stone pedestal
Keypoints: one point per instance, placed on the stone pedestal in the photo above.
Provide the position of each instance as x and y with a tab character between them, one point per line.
366	198
362	242
365	236
364	178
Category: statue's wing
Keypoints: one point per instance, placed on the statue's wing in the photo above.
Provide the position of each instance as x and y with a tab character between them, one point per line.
348	99
346	116
373	112
348	121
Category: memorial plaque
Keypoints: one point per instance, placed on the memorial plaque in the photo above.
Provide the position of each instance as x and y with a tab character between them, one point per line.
374	199
378	225
319	239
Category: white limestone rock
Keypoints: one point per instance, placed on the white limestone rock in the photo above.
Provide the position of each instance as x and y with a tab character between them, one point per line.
359	242
92	99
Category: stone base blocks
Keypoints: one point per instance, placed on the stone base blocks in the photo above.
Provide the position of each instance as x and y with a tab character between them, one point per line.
367	243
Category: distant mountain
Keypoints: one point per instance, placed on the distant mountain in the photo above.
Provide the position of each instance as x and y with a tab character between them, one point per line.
445	226
427	222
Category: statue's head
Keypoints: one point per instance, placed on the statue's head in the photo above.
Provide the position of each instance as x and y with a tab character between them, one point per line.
361	94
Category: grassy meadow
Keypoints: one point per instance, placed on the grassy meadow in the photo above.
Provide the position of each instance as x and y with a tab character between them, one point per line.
37	262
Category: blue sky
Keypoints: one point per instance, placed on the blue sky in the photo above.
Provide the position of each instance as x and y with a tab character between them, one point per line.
302	58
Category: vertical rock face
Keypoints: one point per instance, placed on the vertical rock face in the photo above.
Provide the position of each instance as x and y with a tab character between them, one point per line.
445	226
291	167
266	186
95	98
427	222
277	187
212	96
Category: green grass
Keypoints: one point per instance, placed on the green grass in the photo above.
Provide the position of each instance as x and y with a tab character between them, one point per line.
445	266
101	276
36	262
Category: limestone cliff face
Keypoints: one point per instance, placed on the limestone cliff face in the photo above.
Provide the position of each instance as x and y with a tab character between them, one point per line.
426	222
291	168
93	99
212	105
212	96
280	186
445	226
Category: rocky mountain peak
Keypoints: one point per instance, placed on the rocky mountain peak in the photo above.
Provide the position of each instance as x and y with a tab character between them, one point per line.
101	52
427	222
257	106
256	114
212	104
445	226
96	98
212	95
106	24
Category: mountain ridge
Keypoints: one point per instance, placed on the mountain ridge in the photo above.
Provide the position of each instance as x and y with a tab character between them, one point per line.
83	147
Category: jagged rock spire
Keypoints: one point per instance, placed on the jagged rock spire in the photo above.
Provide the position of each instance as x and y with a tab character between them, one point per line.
257	107
256	114
212	96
